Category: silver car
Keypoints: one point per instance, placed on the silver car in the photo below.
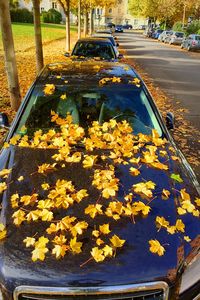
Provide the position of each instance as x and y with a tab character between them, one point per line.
163	35
192	42
176	38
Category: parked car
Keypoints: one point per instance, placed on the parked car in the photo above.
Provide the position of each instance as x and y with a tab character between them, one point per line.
163	35
119	28
97	200
105	31
110	38
176	38
156	33
94	48
168	37
192	42
127	26
141	27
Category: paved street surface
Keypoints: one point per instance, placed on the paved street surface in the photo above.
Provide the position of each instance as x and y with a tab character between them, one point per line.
176	71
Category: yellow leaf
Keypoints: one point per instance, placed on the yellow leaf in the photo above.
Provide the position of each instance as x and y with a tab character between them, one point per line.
45	168
45	186
95	233
187	205
33	215
21	178
46	215
39	254
14	200
197	201
196	213
181	211
59	240
108	251
117	242
104	229
99	242
80	195
162	222
184	195
97	254
165	194
89	161
134	171
5	172
187	238
59	251
180	226
63	97
49	89
42	204
29	199
171	229
93	210
42	242
19	217
159	165
78	228
3	231
144	188
156	247
3	187
75	246
29	241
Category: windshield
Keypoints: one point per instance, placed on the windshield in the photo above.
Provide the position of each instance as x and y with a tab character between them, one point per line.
91	49
90	104
179	34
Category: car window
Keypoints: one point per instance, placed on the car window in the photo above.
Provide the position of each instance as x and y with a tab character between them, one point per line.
88	105
197	37
89	49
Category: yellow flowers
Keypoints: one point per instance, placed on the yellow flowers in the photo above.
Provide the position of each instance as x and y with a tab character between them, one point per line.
49	89
156	247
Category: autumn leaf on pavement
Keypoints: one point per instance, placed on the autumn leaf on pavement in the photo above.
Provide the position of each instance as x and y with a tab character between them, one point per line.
89	161
18	216
156	247
3	231
117	242
97	254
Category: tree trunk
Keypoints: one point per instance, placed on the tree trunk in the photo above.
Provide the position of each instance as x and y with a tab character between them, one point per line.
68	26
91	21
85	24
38	35
79	19
10	60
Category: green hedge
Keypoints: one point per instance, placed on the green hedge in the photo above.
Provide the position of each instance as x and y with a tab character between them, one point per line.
51	16
194	27
178	26
21	15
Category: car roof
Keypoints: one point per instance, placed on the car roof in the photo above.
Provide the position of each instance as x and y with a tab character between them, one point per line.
88	71
93	39
99	34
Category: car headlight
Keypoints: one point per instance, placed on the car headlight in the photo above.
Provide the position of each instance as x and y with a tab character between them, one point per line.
191	277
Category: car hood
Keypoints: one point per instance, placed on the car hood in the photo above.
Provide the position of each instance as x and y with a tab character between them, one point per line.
133	263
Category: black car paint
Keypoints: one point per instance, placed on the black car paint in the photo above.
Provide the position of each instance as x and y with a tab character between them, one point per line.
132	265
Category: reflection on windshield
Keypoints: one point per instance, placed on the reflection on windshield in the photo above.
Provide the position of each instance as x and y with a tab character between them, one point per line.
86	106
89	49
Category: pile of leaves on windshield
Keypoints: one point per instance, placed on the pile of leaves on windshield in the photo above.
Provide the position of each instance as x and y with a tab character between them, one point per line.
103	199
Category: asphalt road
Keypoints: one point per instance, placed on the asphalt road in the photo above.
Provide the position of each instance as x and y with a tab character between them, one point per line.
176	71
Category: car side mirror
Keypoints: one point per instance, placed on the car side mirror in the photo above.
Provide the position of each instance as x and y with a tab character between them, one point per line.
67	54
170	121
4	120
120	56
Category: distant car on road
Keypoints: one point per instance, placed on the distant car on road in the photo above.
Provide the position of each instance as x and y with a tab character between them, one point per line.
94	48
192	42
119	28
105	31
110	38
176	38
127	26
